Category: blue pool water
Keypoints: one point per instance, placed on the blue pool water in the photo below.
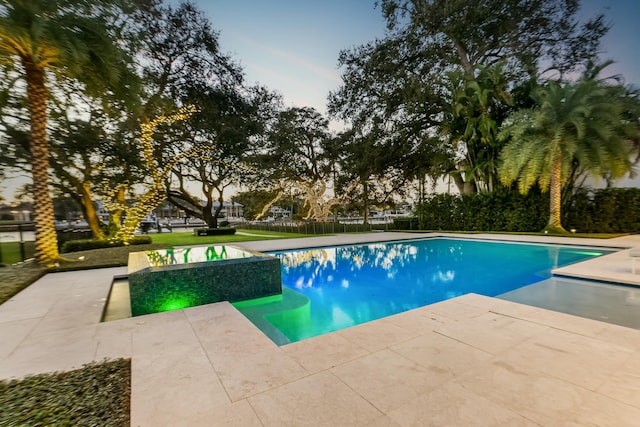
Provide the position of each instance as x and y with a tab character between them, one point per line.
349	285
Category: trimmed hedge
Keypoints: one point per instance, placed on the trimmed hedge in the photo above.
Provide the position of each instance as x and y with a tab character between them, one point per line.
97	395
615	210
497	211
85	245
213	231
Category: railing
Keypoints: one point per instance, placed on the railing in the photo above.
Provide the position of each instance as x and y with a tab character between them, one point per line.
313	227
17	241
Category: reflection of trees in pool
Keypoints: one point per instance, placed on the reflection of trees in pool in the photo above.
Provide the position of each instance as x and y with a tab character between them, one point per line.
305	268
157	258
186	256
340	266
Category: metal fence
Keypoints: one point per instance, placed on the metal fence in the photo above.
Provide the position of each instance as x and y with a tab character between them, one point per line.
17	241
313	227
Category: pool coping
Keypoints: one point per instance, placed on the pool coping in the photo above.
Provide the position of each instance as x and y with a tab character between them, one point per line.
220	367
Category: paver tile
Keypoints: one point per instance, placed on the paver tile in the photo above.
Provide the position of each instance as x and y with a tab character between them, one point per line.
257	372
169	388
318	400
323	352
442	352
584	361
546	400
491	332
388	379
376	336
453	405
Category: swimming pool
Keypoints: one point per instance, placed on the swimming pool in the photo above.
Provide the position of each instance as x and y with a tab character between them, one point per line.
349	285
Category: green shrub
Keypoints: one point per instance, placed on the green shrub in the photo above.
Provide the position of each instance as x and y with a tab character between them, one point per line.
85	245
96	395
405	223
614	210
213	231
495	211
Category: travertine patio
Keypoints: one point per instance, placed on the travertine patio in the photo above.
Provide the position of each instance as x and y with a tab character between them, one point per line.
469	361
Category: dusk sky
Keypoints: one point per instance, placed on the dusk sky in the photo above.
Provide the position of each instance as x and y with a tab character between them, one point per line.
292	46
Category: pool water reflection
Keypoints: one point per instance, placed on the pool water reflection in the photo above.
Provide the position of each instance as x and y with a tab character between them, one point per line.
349	285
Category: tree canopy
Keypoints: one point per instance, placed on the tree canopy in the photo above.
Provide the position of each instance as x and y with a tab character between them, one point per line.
588	124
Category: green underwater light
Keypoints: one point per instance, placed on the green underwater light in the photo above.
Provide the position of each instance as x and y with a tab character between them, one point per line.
176	303
587	253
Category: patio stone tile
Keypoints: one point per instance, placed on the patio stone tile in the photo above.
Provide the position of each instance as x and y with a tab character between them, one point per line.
383	421
55	351
453	405
12	333
545	400
80	307
554	319
115	339
374	336
317	400
418	321
238	414
169	332
581	360
455	311
388	379
225	333
252	374
169	388
492	333
625	337
624	383
442	352
34	301
323	352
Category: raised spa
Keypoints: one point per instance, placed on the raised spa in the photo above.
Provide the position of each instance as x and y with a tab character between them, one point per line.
170	279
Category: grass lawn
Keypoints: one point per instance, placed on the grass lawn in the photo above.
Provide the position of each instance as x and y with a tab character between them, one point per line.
187	238
10	251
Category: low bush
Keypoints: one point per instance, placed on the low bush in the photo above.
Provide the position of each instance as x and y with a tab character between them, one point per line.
614	210
97	395
405	224
85	245
496	211
213	231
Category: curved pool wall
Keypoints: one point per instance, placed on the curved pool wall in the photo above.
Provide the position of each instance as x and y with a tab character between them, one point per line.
172	279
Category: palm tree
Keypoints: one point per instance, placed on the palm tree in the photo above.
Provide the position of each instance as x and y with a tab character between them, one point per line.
71	39
585	123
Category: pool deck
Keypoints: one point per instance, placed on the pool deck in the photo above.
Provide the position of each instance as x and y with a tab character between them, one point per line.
468	361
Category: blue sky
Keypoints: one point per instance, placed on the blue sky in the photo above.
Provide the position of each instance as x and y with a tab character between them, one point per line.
292	46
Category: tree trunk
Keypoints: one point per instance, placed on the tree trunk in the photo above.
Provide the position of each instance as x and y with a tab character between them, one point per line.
90	211
46	246
365	194
457	180
555	192
207	211
218	210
